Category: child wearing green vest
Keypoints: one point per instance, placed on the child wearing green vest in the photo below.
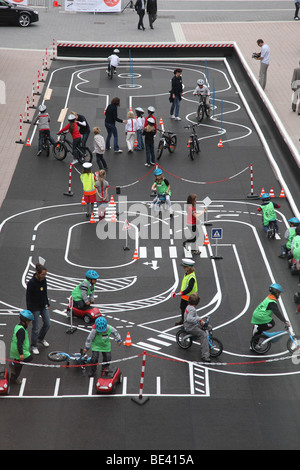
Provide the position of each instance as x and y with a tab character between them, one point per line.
20	346
83	294
295	248
188	286
99	341
262	315
89	191
268	212
162	187
289	236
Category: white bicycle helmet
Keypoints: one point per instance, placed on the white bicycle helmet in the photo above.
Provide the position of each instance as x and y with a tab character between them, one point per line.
151	109
42	108
71	117
200	82
116	51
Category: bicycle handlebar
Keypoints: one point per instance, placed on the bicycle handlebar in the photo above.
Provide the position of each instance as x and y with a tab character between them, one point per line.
192	125
166	132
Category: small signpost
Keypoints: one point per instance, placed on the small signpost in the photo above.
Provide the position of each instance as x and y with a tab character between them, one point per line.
126	227
207	201
216	234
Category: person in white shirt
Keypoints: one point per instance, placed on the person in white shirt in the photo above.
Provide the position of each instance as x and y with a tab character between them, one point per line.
113	61
202	90
140	123
264	57
130	129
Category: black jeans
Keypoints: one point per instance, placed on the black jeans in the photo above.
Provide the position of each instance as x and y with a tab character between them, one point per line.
101	162
106	356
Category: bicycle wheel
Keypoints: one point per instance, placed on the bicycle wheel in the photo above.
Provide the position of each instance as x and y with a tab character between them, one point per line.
183	339
46	145
215	347
192	149
197	146
60	151
172	144
160	149
84	155
258	347
58	356
293	344
200	112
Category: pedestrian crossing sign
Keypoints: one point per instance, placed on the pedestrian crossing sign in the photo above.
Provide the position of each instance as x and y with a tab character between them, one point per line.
217	233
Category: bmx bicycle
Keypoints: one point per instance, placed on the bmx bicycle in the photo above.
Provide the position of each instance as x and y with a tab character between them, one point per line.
111	70
193	142
64	146
261	344
80	359
185	340
270	233
167	140
202	109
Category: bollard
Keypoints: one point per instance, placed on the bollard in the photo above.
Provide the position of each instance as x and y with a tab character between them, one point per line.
69	192
20	141
140	400
252	195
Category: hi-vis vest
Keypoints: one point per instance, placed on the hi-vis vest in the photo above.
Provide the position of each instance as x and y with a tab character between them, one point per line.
292	234
88	182
296	247
268	213
14	353
185	283
261	314
162	187
101	341
77	294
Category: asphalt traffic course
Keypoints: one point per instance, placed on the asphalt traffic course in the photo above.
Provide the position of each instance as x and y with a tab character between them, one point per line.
39	220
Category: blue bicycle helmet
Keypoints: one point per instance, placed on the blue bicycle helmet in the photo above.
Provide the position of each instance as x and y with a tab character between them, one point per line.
91	274
265	197
157	172
275	289
101	324
294	221
27	315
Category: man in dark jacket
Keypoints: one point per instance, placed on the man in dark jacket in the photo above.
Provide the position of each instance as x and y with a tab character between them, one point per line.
38	303
152	11
176	94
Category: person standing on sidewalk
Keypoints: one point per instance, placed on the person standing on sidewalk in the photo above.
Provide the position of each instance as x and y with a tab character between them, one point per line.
176	94
297	5
38	303
152	11
140	9
264	58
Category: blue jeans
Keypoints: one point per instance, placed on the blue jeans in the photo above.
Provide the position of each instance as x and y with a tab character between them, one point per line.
111	130
150	155
175	106
139	138
41	137
35	334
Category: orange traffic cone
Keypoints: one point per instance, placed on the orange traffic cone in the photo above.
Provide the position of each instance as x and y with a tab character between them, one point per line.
272	192
220	144
161	122
262	192
206	240
128	340
113	218
83	203
92	219
189	144
27	143
105	110
282	194
135	143
135	255
112	201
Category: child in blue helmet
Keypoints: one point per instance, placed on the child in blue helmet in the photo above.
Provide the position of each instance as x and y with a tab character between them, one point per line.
162	187
262	315
99	341
20	346
289	236
268	212
83	294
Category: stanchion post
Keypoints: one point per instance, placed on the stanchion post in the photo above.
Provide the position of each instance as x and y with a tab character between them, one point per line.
252	195
69	192
20	141
140	400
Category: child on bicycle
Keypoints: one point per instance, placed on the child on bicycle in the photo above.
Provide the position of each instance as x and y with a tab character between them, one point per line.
99	341
268	212
162	187
203	91
72	127
113	61
83	294
193	324
89	191
42	121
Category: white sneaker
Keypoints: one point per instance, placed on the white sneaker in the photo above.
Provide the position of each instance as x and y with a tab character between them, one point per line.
44	343
118	151
172	116
74	162
35	350
178	118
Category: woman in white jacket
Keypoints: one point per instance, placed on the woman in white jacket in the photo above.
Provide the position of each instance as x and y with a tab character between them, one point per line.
130	130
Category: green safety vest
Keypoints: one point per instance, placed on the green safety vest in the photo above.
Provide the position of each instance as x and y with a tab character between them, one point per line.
296	247
88	183
77	294
14	353
185	283
268	213
261	314
162	187
292	233
101	341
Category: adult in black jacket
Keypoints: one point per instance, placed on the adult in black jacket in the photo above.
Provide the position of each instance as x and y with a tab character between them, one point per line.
38	303
152	11
111	117
140	9
83	127
176	94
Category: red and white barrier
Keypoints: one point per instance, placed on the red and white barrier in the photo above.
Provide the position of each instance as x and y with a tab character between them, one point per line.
69	192
140	400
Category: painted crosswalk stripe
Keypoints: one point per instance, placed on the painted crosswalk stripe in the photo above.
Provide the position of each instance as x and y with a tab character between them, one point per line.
149	346
158	341
143	252
157	252
169	338
173	251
